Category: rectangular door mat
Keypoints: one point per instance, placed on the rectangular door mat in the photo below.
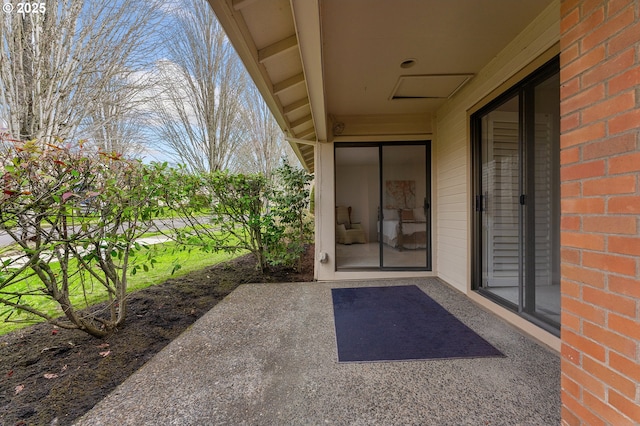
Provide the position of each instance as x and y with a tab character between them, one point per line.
400	323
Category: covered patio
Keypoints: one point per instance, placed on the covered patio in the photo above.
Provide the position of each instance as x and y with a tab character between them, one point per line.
267	355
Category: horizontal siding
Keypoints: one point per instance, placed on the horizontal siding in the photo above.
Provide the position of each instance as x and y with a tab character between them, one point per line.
452	145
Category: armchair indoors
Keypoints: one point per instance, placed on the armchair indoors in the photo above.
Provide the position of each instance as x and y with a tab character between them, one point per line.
348	232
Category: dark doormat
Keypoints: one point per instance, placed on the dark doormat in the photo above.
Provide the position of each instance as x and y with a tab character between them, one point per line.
400	323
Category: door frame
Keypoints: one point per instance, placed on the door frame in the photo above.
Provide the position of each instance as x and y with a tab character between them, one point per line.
526	246
429	197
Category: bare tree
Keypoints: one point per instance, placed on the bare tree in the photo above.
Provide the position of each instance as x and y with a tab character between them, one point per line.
116	120
263	145
55	64
198	106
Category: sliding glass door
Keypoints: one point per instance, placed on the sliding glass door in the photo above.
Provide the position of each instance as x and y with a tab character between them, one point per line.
405	207
517	197
383	211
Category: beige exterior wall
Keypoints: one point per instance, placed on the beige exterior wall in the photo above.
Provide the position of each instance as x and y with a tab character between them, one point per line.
452	154
450	150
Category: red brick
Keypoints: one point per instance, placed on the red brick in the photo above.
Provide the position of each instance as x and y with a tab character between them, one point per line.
582	135
570	386
601	408
614	6
608	186
622	285
625	366
609	107
607	262
582	413
581	240
570	354
570	321
624	164
570	15
628	407
610	301
621	344
608	29
626	326
624	205
627	80
609	67
586	312
628	38
610	224
582	171
624	245
582	99
624	122
569	54
590	6
609	376
569	156
583	26
610	146
587	381
568	89
570	288
582	205
582	275
570	189
569	256
567	418
570	223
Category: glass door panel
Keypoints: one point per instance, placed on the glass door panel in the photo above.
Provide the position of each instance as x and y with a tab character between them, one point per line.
357	173
404	228
499	201
545	207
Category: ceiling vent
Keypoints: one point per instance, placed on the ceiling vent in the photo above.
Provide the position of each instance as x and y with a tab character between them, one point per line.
429	86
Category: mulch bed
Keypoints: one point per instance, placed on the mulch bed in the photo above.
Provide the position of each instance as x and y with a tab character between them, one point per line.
53	376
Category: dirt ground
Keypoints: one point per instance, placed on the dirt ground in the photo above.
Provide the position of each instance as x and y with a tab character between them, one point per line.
52	377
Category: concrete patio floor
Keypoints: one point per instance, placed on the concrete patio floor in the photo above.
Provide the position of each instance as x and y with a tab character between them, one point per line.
266	355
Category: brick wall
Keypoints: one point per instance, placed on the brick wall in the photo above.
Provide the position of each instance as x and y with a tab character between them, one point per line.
600	165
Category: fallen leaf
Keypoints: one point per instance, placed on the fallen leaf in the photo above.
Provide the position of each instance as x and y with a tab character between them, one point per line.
105	354
50	376
19	389
10	373
67	195
102	346
64	368
54	332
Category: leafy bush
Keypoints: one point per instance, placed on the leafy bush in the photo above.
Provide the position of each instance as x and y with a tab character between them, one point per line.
289	200
233	212
83	210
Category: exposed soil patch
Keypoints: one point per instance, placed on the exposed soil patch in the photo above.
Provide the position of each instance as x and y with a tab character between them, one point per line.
50	376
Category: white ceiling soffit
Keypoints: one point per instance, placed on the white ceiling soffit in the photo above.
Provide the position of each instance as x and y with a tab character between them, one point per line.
428	86
418	50
312	59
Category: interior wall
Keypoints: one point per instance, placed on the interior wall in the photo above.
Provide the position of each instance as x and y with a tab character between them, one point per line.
350	181
452	146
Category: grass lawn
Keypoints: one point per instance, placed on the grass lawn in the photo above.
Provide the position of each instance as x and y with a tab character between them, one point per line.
166	256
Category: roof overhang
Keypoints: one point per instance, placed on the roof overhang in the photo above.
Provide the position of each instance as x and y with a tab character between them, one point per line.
279	42
353	69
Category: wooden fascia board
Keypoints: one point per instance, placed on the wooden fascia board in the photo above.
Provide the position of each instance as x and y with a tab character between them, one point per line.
306	18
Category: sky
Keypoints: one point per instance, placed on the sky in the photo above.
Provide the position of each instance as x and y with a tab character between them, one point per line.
155	150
